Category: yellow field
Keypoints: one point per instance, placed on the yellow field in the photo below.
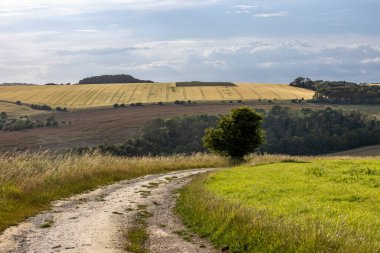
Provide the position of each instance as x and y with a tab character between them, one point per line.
84	96
14	110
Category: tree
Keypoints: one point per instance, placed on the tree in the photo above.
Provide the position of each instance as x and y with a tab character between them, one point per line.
236	134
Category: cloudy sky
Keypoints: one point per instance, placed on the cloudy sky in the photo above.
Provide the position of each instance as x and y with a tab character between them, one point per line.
173	40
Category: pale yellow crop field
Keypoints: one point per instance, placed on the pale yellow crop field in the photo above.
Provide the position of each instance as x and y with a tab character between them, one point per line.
94	95
14	110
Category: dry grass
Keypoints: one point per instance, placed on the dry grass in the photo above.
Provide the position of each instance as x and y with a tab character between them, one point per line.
86	96
29	182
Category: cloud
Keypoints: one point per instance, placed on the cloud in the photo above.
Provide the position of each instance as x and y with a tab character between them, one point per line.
336	12
69	7
87	30
245	7
272	14
371	60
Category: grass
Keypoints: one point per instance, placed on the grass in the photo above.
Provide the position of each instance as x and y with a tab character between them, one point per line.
316	206
30	182
86	96
137	234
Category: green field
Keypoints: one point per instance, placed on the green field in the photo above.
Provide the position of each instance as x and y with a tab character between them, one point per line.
316	206
87	96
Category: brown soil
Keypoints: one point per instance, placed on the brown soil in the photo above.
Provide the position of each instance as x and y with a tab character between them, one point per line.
106	125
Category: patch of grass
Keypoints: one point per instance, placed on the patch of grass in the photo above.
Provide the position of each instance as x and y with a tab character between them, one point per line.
137	235
320	206
30	182
184	234
47	224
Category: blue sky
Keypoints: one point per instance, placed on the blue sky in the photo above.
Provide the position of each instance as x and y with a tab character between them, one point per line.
270	41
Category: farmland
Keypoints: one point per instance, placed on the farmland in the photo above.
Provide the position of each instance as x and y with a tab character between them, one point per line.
363	151
14	110
88	96
312	206
90	127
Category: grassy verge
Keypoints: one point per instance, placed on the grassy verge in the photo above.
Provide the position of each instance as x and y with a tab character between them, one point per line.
30	182
137	234
317	206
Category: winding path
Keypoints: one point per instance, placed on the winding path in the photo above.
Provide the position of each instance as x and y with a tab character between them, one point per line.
96	221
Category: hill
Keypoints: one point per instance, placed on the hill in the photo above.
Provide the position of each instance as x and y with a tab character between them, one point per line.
364	151
95	95
112	79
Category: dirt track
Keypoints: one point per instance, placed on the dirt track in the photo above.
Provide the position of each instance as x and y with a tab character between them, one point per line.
97	221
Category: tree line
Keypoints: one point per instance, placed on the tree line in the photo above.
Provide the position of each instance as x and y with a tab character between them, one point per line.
340	92
13	124
287	131
112	79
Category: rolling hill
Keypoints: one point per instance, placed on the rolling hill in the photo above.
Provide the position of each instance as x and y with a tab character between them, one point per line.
97	95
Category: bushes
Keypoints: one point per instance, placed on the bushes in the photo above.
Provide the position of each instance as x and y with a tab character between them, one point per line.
40	107
12	124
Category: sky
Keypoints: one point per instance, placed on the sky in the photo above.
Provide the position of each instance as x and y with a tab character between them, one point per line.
271	41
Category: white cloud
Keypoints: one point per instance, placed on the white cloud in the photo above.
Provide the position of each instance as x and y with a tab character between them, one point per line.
245	7
272	14
87	30
31	8
371	60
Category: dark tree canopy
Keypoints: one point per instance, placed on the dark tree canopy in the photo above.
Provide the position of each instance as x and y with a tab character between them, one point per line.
236	134
340	92
112	79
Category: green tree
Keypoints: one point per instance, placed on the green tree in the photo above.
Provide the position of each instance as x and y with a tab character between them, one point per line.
236	134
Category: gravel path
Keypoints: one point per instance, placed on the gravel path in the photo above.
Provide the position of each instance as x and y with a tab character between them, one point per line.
97	221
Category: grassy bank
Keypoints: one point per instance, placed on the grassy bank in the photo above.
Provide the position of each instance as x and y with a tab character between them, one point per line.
30	182
316	206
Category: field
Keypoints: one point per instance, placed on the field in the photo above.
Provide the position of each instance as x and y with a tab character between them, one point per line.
364	151
97	95
293	206
91	127
14	110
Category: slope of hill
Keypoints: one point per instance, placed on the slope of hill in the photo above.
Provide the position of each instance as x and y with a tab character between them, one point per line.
364	151
86	96
14	110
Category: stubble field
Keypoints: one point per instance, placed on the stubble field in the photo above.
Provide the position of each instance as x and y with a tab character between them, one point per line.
97	95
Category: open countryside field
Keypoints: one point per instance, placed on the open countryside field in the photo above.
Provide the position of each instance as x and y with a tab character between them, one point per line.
89	127
293	206
364	151
14	110
87	96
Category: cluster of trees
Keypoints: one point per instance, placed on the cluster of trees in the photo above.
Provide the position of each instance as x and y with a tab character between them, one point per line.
314	132
13	124
198	83
166	136
340	92
41	107
112	79
304	132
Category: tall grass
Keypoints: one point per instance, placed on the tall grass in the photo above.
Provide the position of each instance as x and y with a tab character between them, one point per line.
317	206
30	182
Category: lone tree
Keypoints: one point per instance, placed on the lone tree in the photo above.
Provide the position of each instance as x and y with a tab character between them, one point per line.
236	134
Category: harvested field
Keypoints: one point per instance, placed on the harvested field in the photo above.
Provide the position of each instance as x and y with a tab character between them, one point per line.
97	95
364	151
14	110
97	126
